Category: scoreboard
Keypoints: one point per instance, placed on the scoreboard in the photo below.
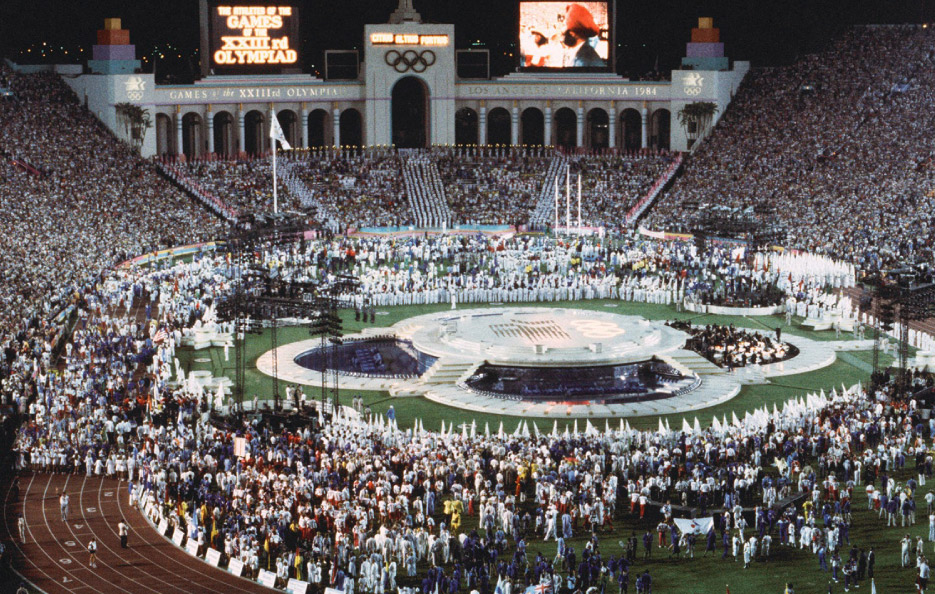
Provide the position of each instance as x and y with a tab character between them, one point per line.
255	38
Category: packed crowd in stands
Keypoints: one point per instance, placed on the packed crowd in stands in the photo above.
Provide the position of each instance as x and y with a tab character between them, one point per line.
244	185
82	202
833	145
431	188
365	190
611	185
493	188
731	347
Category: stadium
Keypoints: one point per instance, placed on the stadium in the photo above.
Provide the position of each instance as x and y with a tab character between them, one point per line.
407	325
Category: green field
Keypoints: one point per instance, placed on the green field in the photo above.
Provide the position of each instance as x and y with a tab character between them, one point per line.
848	370
700	575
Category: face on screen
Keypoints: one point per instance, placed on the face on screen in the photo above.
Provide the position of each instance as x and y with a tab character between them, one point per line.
564	34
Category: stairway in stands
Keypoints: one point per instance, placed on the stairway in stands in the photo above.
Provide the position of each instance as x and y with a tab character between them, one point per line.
544	215
426	194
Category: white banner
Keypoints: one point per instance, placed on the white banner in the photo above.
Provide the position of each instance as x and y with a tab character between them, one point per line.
163	526
192	547
695	526
297	586
240	447
266	578
177	537
235	567
213	556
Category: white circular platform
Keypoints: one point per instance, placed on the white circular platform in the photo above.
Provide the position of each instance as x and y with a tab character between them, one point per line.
540	336
463	340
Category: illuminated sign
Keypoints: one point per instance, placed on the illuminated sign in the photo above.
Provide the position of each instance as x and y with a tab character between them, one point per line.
254	36
408	39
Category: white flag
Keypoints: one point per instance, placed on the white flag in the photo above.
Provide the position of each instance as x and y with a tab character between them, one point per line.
275	132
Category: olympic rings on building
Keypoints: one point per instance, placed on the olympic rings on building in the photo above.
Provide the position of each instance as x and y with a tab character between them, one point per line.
410	60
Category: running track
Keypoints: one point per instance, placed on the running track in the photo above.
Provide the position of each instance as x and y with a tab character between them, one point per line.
55	556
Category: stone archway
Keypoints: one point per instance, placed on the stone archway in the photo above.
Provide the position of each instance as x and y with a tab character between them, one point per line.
631	129
410	113
288	121
598	129
566	128
165	139
318	128
532	127
350	128
466	126
662	128
254	132
193	138
225	141
498	126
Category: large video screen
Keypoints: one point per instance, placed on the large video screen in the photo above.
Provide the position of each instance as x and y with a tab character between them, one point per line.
564	34
250	38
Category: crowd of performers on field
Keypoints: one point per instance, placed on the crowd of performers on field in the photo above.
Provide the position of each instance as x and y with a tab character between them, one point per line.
369	507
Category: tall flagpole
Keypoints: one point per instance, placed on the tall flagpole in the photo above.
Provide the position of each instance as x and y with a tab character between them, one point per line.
275	198
567	198
555	229
579	203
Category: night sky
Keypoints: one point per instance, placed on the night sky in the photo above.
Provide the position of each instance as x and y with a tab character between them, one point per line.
767	33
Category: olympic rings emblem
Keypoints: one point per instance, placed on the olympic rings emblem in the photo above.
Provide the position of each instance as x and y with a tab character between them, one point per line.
693	91
597	328
410	60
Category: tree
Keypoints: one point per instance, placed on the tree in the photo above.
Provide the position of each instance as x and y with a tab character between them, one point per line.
696	118
136	121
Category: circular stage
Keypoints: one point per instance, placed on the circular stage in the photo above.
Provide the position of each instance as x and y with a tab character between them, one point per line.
534	361
541	336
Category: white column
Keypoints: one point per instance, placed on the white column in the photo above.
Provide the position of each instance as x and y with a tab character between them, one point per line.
303	130
179	148
241	132
210	117
547	125
336	125
644	129
580	138
482	126
514	126
612	126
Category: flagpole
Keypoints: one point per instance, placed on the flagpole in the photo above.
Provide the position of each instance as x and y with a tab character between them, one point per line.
275	198
567	199
579	203
555	230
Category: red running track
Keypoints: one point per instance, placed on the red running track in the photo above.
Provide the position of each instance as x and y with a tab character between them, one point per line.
55	556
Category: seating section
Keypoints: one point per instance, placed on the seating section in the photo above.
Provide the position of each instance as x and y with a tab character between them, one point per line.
833	147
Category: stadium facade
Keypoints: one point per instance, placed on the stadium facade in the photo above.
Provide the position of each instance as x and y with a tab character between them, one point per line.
230	114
